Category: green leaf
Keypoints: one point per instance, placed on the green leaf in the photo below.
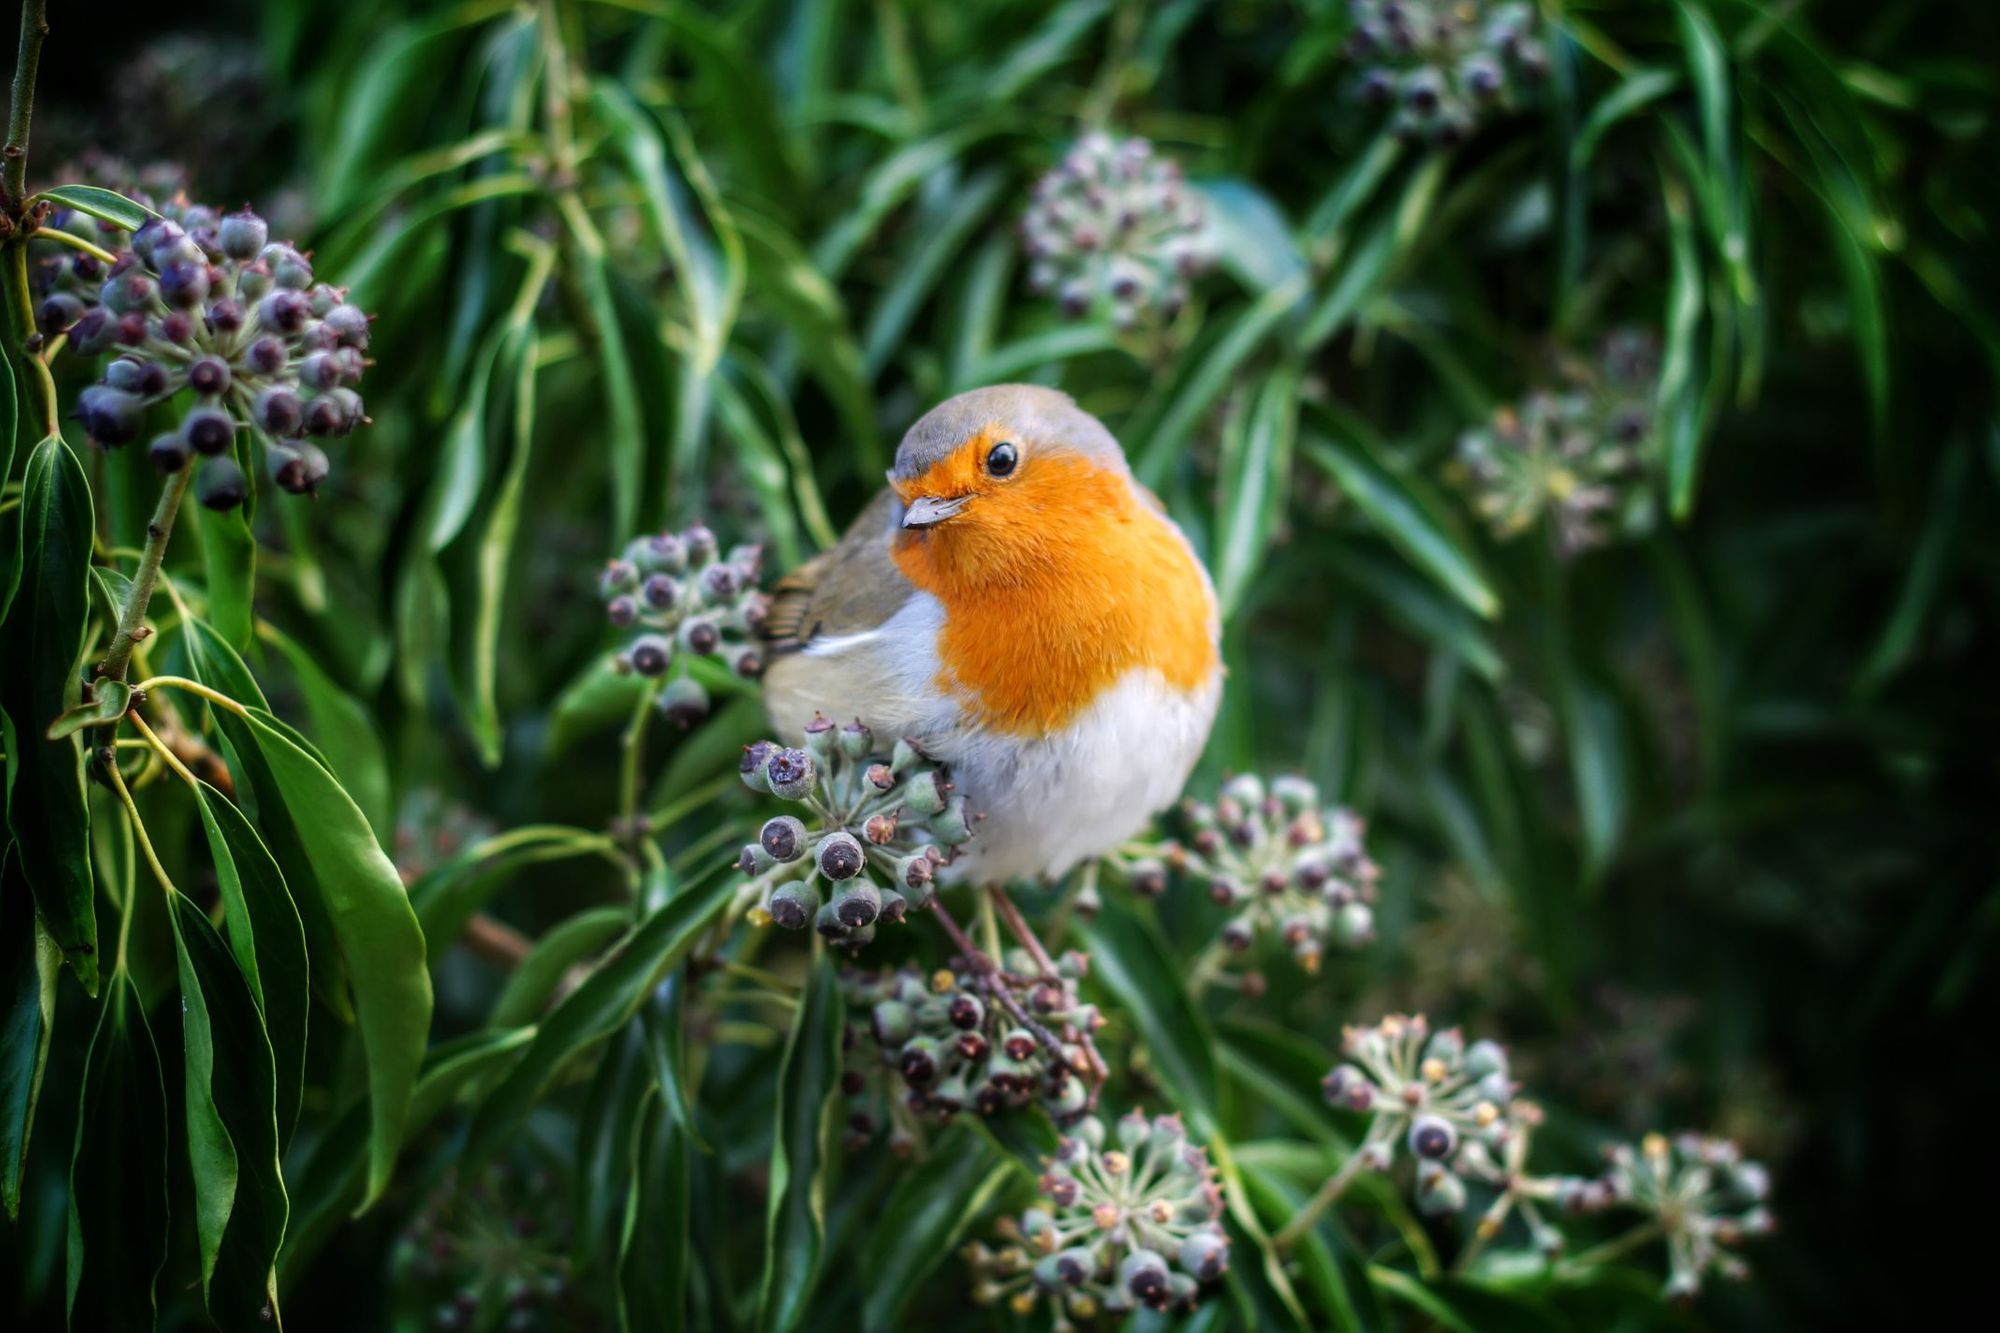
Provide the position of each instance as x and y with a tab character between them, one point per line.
1248	231
607	1125
266	938
496	544
104	205
934	1203
229	557
345	733
108	702
1167	437
329	1186
1256	470
230	1076
654	1242
706	252
118	1172
938	234
1131	961
590	265
1679	393
605	1002
30	963
39	681
1395	509
560	948
374	926
796	1227
216	665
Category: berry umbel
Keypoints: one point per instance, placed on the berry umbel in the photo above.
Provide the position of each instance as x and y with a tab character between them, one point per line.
922	1047
1580	454
1132	1218
876	824
681	597
1114	229
1286	866
1443	64
205	311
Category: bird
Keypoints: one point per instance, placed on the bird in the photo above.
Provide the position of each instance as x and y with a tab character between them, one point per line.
1017	606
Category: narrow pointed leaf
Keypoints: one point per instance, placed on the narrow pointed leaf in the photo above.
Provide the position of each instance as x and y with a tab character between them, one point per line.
796	1228
118	1172
39	681
377	933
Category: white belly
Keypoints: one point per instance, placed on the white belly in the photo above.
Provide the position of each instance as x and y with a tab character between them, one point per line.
1049	803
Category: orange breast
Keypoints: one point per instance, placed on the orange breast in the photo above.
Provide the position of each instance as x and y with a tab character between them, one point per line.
1054	587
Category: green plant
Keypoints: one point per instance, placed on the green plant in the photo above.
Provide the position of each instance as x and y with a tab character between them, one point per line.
1594	451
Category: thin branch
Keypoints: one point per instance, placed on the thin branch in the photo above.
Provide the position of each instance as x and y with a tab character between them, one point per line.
132	618
14	157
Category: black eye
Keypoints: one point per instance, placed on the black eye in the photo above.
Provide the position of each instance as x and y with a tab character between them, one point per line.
1002	459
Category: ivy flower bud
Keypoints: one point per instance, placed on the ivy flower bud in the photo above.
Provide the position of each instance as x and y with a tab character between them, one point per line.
700	637
924	793
858	903
752	766
169	452
209	376
1204	1255
1433	1137
856	740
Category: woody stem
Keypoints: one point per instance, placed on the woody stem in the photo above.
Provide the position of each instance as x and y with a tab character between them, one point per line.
1018	927
132	616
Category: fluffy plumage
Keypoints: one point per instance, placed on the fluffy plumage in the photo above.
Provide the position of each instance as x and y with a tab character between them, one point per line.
1053	638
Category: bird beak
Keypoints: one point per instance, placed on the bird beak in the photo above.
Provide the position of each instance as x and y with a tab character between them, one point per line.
927	511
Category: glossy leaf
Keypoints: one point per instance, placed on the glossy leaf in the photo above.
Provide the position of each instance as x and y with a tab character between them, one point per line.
602	1004
118	1172
230	1077
372	922
931	1209
39	681
796	1226
102	204
266	939
30	964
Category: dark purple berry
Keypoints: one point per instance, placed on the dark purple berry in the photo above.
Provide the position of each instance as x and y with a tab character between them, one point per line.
209	376
242	235
277	411
58	314
110	415
221	485
209	430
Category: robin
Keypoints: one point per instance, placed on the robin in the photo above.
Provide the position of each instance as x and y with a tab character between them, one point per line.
1024	612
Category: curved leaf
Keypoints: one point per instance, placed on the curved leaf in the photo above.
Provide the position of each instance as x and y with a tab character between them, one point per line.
376	931
118	1172
30	963
266	938
605	1001
796	1227
39	682
104	205
933	1205
230	1075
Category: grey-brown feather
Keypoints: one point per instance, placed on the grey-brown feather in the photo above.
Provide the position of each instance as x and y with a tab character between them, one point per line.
851	588
1034	414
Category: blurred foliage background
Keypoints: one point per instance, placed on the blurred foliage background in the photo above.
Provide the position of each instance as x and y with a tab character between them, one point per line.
1696	816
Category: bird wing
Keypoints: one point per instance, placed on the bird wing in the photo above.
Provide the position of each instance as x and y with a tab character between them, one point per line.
850	589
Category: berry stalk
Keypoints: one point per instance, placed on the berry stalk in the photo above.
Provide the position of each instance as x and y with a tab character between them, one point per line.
14	157
132	617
